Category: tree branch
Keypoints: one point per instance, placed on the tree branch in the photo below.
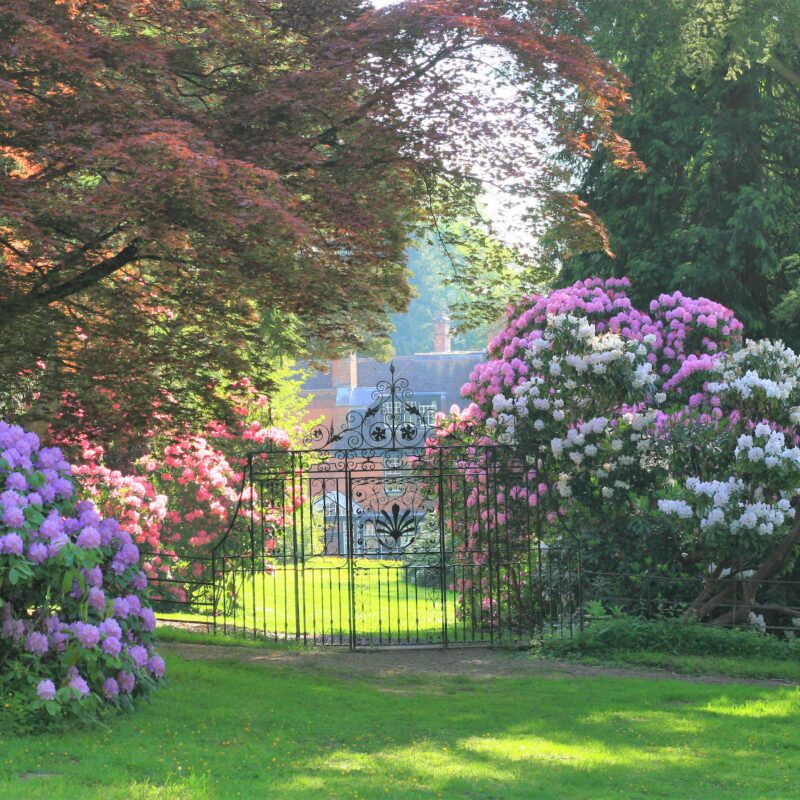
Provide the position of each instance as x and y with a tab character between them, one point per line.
785	71
16	307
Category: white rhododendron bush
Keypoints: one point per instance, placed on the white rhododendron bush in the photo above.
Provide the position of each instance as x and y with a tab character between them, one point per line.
661	442
76	628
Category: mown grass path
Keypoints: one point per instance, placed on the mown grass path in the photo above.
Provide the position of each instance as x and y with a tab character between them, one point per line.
251	723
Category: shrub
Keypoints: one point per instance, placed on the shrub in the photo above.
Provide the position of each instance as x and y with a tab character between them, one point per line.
659	443
178	500
607	637
76	630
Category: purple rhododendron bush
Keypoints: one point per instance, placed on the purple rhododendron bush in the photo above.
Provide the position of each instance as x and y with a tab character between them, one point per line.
76	630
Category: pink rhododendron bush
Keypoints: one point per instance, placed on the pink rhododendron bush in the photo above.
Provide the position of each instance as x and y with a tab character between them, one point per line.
178	500
76	627
660	442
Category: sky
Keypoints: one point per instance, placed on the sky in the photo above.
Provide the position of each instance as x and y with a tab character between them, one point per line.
505	212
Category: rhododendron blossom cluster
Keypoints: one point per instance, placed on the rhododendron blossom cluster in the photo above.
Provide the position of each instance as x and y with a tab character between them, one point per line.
76	628
677	329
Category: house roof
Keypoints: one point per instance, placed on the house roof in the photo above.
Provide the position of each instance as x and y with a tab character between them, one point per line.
437	373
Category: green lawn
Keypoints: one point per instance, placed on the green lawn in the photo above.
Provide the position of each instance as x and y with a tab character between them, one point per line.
389	608
225	729
731	666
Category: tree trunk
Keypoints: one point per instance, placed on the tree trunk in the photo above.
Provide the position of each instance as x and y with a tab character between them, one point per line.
740	595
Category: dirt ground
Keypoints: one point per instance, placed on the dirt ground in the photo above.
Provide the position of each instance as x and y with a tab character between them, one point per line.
481	664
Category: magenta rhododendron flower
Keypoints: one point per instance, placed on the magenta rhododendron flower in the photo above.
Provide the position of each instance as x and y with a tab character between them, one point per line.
126	681
148	618
97	598
17	482
13	517
139	582
38	552
156	666
112	646
46	689
110	627
138	655
121	609
37	643
78	683
11	544
87	635
89	538
94	576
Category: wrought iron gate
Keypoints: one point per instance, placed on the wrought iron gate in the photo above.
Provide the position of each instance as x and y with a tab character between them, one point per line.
385	531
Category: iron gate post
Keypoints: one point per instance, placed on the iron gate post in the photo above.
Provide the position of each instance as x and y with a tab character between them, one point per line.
214	591
252	551
580	588
295	562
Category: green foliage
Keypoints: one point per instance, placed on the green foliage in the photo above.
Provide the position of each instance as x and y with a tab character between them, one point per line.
18	717
609	636
242	178
715	101
287	407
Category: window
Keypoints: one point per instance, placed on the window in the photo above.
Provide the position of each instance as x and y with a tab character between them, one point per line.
428	412
393	478
395	413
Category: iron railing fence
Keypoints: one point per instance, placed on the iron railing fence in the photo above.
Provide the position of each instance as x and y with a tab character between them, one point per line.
378	601
371	602
547	592
728	601
385	530
181	587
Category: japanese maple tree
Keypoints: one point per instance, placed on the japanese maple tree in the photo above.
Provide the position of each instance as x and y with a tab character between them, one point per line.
189	189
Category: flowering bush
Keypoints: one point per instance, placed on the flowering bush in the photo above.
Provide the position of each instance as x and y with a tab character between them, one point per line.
178	500
735	478
660	441
76	629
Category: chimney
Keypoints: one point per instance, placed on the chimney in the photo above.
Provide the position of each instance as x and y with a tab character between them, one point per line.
441	333
344	371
